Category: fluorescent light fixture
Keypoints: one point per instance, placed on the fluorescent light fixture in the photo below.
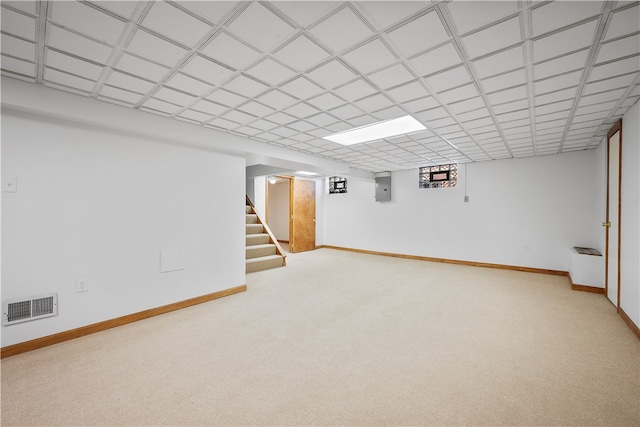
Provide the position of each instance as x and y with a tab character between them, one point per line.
375	131
306	173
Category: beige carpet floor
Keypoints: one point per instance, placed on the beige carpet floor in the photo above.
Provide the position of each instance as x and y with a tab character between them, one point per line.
338	338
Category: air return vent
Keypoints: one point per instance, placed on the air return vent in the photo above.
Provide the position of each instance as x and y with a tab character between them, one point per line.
25	309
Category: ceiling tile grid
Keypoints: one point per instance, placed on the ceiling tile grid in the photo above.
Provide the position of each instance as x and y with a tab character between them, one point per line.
489	79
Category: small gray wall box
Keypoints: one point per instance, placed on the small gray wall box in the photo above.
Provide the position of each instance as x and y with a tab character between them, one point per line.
383	187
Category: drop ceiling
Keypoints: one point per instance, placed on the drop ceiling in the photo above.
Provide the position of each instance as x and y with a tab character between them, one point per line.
489	80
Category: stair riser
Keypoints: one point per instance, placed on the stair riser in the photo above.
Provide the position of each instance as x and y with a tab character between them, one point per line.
257	239
263	265
249	210
255	229
252	219
257	252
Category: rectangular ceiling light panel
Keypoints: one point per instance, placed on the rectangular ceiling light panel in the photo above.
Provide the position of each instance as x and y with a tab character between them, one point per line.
376	131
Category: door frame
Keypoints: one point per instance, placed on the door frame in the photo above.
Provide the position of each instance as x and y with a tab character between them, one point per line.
617	127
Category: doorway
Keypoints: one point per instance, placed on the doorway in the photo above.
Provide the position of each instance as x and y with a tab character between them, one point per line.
291	211
612	222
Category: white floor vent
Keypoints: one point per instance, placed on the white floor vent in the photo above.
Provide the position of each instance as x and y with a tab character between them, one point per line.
33	308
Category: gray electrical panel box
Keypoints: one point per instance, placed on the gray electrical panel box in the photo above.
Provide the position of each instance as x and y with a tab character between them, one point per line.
383	188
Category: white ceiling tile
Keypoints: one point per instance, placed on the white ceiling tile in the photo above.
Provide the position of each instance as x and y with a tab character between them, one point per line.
561	65
392	76
458	94
25	6
206	70
408	92
382	14
209	107
156	49
326	101
78	45
503	81
322	119
301	110
430	115
277	99
123	95
373	103
247	130
286	132
594	108
18	48
238	116
301	53
471	15
122	8
479	123
74	91
263	124
602	97
346	112
624	22
166	107
553	107
515	123
355	90
370	57
435	60
565	41
184	28
261	27
304	13
270	71
87	20
508	95
281	118
507	60
230	51
18	24
480	113
493	38
72	65
560	95
554	15
174	96
301	88
213	11
619	48
449	79
128	82
419	34
420	104
227	98
513	115
556	83
141	67
341	30
68	80
221	123
616	68
467	105
246	86
331	74
609	84
187	84
551	124
301	126
255	108
389	113
196	116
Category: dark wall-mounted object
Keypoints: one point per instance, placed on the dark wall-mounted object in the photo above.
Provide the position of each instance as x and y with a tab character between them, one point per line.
337	185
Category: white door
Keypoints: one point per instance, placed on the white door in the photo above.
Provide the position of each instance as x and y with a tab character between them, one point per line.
612	279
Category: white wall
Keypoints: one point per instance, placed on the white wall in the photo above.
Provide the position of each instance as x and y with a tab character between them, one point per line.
102	205
547	203
278	211
630	215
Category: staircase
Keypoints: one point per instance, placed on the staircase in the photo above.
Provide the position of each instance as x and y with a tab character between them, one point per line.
262	249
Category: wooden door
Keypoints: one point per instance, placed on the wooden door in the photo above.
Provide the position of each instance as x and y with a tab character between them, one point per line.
303	216
612	224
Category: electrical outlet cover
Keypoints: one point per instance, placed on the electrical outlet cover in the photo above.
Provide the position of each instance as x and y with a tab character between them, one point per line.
10	185
82	285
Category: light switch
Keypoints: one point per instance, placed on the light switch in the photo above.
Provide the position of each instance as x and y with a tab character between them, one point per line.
10	185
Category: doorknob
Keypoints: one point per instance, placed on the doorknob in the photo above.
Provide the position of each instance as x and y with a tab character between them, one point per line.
606	224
